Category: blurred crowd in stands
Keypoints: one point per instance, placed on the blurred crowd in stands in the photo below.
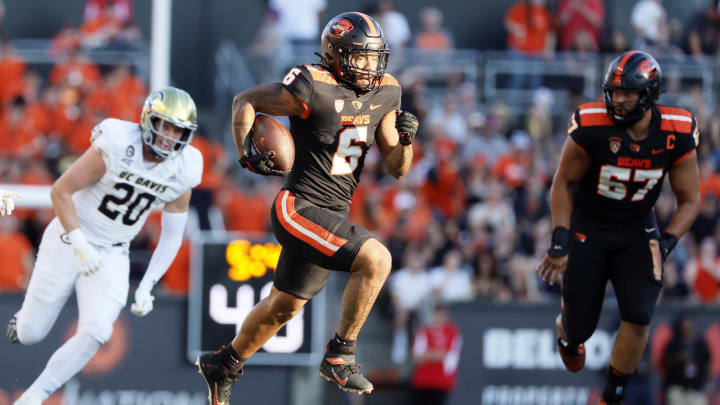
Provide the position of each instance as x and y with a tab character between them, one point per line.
470	220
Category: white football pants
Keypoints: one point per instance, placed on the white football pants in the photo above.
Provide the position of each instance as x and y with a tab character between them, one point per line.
100	298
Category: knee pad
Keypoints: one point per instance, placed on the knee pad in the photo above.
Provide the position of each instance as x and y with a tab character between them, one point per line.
101	333
30	334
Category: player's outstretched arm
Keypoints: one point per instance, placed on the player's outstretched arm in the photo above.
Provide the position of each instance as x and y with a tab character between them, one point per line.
574	162
272	99
174	218
394	137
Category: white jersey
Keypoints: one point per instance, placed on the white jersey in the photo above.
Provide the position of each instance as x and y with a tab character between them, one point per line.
114	209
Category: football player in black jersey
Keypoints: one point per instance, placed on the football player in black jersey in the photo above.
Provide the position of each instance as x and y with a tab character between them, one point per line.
609	177
338	109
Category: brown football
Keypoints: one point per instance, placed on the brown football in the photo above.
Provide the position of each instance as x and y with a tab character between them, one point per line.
270	134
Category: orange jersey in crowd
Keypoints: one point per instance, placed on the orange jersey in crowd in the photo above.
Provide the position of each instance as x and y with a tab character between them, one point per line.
536	23
16	249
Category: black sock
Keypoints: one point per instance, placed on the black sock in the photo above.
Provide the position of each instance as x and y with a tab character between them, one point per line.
615	385
340	345
231	360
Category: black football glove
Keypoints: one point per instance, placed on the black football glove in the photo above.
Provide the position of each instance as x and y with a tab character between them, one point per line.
407	126
260	164
667	243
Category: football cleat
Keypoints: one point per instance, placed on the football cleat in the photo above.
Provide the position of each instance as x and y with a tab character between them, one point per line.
572	357
11	331
343	371
219	380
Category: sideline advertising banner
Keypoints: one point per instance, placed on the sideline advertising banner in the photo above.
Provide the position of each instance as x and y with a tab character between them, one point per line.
510	357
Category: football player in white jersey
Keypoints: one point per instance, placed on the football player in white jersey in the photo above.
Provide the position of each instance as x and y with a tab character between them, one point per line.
101	203
6	201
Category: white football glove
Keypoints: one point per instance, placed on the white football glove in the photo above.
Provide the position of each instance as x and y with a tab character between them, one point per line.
86	256
7	205
143	300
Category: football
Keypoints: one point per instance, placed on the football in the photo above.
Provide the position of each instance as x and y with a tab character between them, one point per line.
269	134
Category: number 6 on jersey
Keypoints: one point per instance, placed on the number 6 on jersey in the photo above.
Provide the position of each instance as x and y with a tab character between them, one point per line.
349	150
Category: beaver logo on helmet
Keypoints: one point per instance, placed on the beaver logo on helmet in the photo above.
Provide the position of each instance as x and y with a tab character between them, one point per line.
648	69
340	28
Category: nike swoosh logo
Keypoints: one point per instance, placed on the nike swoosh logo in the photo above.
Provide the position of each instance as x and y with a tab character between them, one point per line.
341	381
656	151
648	230
373	106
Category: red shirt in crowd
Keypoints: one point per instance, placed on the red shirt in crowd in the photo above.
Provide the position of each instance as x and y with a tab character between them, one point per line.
575	21
438	374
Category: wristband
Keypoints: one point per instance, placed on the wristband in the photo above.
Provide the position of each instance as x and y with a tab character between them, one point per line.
559	245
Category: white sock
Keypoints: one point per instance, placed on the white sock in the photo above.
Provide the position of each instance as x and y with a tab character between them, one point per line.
67	361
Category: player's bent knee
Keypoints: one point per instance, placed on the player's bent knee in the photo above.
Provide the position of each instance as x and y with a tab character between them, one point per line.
30	334
374	259
285	306
101	333
579	334
637	318
283	317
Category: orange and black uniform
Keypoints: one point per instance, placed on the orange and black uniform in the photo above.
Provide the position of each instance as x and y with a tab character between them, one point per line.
613	219
309	216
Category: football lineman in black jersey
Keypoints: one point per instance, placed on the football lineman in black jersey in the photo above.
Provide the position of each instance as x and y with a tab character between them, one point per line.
338	109
609	177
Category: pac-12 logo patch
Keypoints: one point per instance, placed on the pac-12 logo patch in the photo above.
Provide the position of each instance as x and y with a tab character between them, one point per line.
339	104
615	143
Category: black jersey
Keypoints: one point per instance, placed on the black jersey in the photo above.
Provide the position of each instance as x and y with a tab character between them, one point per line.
625	177
334	134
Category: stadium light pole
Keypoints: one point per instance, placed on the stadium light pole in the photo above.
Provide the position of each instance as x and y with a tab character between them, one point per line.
160	44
